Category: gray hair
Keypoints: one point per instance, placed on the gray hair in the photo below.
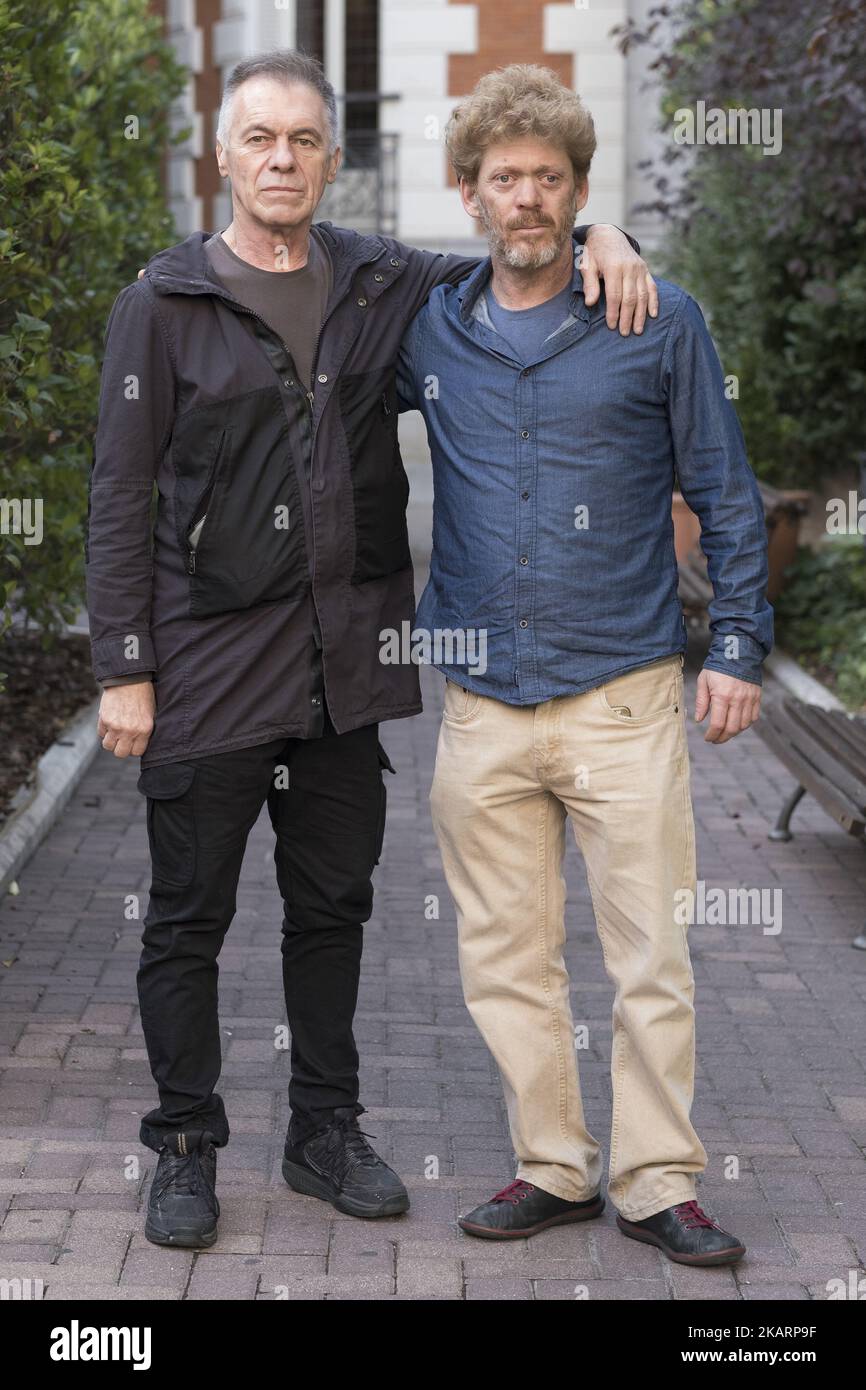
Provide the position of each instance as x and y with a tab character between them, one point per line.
283	65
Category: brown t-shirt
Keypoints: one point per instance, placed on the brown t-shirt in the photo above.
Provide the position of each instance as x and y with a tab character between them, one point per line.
291	302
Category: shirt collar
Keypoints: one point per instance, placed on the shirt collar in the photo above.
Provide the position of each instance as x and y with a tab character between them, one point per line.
471	288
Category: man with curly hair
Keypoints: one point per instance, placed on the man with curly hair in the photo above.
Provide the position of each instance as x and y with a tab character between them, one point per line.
553	537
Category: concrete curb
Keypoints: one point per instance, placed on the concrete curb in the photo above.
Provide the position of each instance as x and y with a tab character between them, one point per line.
58	773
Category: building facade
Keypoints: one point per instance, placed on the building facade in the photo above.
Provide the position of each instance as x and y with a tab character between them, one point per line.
399	68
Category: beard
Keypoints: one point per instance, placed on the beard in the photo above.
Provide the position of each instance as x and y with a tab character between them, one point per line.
527	255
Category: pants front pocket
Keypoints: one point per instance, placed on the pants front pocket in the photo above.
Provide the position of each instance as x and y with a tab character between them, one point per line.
645	694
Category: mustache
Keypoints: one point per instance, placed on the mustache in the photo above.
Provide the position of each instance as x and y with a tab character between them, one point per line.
527	222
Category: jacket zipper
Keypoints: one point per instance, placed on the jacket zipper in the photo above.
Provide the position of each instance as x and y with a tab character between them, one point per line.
204	500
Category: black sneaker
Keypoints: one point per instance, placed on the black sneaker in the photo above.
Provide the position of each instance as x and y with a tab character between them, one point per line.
338	1165
686	1235
183	1208
521	1209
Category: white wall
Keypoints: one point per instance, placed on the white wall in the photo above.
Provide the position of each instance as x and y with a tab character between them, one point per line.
415	39
247	27
643	139
186	40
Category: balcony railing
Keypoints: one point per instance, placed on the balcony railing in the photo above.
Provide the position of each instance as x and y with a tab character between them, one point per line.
364	195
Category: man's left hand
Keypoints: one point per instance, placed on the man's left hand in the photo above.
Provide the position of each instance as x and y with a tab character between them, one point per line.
733	705
630	290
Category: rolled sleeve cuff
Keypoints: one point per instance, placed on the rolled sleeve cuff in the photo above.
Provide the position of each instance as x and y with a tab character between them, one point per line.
747	665
126	680
110	659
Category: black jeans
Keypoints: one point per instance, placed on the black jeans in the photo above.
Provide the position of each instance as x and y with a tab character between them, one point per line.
326	799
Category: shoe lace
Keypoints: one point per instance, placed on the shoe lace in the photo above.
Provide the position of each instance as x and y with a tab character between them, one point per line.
182	1173
353	1147
514	1192
691	1216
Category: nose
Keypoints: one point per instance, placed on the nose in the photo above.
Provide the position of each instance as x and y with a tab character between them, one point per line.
526	194
282	155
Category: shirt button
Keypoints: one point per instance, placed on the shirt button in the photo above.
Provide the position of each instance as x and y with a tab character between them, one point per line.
523	623
378	278
288	383
362	303
525	496
524	559
316	700
525	434
394	262
322	377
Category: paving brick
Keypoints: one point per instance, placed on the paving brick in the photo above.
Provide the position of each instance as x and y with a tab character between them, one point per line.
35	1225
499	1290
588	1290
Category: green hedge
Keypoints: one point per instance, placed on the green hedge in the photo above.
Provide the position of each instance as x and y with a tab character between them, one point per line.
773	246
85	90
821	615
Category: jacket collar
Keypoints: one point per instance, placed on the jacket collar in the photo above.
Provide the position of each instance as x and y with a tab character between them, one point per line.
185	269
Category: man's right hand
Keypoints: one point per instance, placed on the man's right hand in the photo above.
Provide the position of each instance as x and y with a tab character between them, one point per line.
126	718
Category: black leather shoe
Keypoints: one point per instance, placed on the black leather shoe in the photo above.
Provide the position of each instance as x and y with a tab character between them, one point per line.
339	1166
521	1209
183	1208
686	1235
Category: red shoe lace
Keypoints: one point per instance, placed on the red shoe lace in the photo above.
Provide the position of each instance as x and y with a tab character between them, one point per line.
514	1192
691	1216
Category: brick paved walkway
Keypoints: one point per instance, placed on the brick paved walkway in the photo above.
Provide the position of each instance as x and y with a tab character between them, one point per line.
781	1081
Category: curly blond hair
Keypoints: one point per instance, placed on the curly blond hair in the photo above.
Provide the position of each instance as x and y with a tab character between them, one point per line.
521	99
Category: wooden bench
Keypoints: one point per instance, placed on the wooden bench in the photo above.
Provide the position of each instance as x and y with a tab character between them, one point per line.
782	514
825	750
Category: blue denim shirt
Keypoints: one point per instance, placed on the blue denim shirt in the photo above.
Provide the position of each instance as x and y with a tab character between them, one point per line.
552	530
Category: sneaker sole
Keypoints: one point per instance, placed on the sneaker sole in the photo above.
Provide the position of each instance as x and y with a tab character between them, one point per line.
717	1257
183	1235
566	1219
311	1185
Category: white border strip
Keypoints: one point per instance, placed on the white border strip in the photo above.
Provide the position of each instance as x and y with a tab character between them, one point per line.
58	773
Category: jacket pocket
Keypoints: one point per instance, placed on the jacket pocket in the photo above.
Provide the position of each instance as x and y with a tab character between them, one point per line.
380	487
236	482
192	532
170	822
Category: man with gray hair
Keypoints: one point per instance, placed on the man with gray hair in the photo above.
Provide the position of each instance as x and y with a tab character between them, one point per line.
250	376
